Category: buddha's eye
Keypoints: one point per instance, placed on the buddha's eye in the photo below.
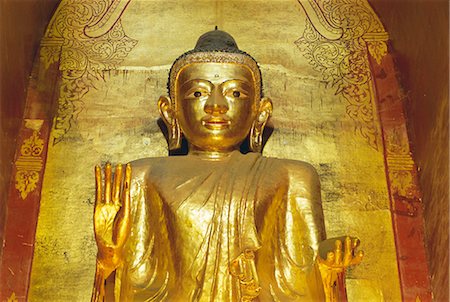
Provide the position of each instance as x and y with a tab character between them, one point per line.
236	94
196	93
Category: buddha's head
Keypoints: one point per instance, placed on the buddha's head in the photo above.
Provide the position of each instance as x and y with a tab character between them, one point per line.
215	97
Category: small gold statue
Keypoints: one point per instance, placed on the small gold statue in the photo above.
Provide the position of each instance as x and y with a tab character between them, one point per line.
216	224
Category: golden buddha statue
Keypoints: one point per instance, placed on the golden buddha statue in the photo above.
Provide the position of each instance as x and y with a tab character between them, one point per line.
215	224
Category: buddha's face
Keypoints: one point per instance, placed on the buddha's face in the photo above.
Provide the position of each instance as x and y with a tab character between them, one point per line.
215	104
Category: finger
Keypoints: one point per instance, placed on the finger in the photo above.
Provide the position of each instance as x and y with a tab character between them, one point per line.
98	185
355	243
360	255
338	252
348	251
123	220
358	258
347	244
330	258
108	183
117	185
126	187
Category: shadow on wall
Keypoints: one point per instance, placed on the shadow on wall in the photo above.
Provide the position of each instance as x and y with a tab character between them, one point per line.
425	75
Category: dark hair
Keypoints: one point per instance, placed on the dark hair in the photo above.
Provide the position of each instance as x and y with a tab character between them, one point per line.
215	41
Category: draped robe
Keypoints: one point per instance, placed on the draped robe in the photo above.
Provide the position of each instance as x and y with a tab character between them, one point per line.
193	220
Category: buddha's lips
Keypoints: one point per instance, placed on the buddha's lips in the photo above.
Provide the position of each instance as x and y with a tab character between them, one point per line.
216	122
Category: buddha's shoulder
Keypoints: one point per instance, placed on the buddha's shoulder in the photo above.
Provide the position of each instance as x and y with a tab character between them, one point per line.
152	165
296	169
143	166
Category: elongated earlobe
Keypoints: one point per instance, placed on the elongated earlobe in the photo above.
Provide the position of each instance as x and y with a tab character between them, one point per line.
168	116
256	133
255	139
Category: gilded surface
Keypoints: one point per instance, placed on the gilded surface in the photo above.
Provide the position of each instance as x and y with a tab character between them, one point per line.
343	62
82	58
195	216
215	225
118	124
29	163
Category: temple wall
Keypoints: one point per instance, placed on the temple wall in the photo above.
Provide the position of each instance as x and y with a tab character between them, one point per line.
107	111
419	34
22	24
325	113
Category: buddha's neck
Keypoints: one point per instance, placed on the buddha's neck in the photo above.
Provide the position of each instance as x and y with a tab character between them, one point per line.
210	154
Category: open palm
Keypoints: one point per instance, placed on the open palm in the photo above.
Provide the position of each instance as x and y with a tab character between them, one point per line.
111	214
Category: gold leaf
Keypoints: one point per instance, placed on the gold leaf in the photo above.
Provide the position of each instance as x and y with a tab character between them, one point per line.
377	50
29	164
12	298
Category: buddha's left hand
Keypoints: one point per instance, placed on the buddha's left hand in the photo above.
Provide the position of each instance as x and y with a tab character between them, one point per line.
336	262
339	259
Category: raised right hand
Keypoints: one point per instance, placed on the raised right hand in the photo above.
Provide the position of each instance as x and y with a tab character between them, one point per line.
111	216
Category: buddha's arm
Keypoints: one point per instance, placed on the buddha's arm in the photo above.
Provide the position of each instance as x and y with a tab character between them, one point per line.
332	256
306	205
111	223
296	220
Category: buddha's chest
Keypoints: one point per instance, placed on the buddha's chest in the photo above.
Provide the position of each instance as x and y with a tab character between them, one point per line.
200	182
199	192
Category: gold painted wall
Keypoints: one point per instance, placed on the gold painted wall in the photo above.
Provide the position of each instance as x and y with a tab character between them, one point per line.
425	73
324	113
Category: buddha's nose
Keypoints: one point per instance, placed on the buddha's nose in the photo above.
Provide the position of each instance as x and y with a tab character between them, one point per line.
216	104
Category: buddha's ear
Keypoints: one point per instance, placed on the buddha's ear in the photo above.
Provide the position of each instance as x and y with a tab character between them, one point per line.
165	110
264	113
167	114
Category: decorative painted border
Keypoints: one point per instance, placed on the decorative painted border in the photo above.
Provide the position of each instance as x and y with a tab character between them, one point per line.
347	43
29	164
23	209
85	38
335	44
403	185
12	298
25	189
75	60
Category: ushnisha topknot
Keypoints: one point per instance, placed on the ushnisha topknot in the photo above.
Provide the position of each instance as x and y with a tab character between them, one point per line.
215	46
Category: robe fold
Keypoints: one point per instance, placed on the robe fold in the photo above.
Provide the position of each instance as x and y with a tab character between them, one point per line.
194	219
